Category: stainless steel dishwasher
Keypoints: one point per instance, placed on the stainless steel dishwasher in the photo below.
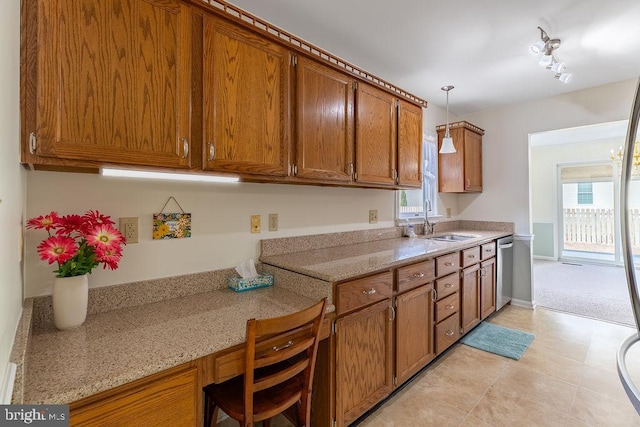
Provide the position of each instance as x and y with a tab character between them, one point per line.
504	279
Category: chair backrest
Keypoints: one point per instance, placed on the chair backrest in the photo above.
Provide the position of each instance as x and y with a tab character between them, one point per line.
282	349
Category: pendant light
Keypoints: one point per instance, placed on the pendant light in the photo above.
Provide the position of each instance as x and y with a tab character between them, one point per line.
447	141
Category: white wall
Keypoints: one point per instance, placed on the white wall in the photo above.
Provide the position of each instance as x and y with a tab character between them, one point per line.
220	220
11	180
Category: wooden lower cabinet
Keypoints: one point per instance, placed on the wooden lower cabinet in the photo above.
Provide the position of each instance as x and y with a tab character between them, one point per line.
447	332
487	287
364	360
470	298
165	399
414	331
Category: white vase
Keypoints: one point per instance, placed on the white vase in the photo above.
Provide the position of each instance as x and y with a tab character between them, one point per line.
70	296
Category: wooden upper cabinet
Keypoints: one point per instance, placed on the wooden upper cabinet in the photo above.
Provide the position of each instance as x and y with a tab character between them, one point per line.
375	136
461	172
108	81
246	90
324	122
409	145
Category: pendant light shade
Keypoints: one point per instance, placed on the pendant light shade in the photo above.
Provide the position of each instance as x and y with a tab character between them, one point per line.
447	142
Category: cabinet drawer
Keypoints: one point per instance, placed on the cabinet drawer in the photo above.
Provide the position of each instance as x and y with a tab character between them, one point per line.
447	332
447	264
414	275
361	292
470	256
447	285
447	306
487	250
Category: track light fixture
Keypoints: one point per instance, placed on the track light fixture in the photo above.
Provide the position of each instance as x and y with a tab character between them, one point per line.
546	46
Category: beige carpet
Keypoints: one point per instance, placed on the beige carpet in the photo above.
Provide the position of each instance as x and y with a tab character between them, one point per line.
599	292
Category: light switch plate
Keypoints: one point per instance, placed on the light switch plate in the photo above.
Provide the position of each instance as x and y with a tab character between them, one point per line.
273	222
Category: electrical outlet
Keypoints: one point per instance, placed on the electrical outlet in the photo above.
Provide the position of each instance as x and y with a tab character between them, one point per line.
273	222
255	224
373	217
129	229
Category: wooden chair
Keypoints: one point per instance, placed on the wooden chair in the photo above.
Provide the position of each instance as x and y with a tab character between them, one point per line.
279	363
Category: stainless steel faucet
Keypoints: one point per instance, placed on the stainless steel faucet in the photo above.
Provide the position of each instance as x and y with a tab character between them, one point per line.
427	226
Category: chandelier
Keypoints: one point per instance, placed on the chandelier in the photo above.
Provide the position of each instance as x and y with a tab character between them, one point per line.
616	157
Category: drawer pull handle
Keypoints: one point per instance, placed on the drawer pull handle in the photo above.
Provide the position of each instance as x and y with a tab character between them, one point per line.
448	306
471	256
448	285
287	345
418	275
369	292
449	333
448	264
488	250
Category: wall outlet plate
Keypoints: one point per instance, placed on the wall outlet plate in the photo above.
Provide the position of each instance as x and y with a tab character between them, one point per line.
373	217
273	222
129	228
255	224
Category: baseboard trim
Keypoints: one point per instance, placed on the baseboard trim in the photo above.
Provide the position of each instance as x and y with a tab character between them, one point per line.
6	391
522	303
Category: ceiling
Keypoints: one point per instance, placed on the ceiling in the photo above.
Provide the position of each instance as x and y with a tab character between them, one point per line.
480	47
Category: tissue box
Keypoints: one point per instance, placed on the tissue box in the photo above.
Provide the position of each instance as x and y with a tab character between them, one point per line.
239	284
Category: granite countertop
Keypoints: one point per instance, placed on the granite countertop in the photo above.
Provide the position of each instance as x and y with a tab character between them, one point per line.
119	346
334	264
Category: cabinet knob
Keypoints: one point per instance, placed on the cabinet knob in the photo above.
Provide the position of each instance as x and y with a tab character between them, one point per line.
369	292
212	151
185	148
418	275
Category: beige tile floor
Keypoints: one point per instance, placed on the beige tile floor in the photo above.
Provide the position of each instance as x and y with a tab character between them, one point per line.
567	377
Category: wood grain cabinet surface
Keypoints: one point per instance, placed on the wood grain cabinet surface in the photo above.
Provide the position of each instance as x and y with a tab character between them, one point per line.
246	101
107	81
487	287
324	122
414	332
461	172
409	145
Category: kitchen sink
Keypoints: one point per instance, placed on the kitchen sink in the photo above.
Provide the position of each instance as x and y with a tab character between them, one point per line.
450	237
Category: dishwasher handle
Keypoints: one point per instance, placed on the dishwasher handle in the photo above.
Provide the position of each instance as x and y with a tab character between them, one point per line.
505	246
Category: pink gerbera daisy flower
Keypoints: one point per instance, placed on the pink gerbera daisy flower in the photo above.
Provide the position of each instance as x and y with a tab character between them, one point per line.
104	237
109	256
57	249
96	218
44	221
69	224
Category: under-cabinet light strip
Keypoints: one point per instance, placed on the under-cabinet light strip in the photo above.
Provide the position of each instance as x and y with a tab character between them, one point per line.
124	173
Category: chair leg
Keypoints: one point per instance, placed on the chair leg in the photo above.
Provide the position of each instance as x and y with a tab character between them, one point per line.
214	418
266	423
210	412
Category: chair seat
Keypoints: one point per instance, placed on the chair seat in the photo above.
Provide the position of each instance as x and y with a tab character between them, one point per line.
229	397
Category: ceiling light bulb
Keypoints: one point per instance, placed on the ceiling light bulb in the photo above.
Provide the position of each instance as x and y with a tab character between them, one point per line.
545	60
558	67
537	47
564	77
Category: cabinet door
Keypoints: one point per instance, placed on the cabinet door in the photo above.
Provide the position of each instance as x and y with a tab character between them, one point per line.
451	165
324	122
168	398
470	297
488	287
246	101
112	81
409	145
364	373
414	331
375	136
472	161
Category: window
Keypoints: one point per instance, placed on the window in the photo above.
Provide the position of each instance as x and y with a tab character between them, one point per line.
411	203
585	193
